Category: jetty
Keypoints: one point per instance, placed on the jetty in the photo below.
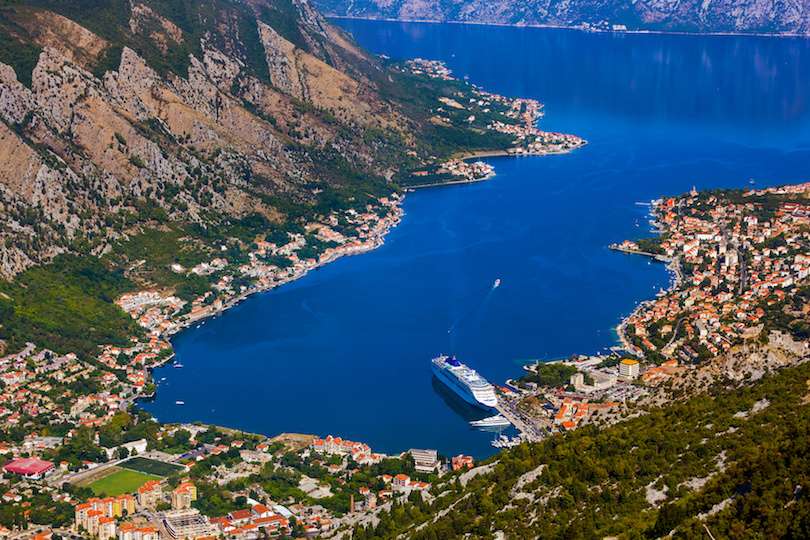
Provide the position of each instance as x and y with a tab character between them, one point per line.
531	432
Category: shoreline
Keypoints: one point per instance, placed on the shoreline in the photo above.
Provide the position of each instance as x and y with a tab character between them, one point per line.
484	154
375	241
672	266
549	26
376	235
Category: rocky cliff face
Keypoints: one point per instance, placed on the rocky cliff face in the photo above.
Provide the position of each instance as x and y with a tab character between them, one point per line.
768	16
202	111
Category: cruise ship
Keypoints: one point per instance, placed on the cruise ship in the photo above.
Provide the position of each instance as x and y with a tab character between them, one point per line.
465	381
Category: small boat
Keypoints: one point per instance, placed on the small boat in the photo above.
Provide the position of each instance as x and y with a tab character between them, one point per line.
177	365
178	402
492	421
497	283
506	442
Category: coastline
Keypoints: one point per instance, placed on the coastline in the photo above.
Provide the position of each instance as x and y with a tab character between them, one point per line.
376	240
550	26
529	141
672	266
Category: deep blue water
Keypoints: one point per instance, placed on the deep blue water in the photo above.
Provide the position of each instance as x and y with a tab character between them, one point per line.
346	349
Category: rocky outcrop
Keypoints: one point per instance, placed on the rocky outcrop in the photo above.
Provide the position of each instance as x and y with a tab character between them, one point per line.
761	16
209	135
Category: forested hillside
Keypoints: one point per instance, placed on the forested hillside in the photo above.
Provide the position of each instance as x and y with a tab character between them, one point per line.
735	462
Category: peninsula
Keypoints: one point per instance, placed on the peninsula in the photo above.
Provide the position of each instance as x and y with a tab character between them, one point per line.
180	163
163	161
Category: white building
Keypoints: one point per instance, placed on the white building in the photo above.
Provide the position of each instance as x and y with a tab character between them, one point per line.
425	460
629	368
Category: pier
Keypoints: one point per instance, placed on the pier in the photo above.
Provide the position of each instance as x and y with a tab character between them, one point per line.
531	431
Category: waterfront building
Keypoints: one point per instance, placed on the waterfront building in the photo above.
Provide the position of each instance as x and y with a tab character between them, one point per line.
461	461
629	368
425	460
404	484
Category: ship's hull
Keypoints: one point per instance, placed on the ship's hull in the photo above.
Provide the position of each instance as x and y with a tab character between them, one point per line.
459	389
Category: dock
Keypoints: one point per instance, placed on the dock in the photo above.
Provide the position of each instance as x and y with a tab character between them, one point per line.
531	431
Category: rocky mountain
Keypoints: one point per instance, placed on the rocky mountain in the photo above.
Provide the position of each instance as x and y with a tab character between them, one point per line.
116	112
767	16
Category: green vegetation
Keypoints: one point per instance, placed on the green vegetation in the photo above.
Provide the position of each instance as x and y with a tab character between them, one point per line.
17	53
651	245
552	374
699	453
66	306
126	427
40	509
121	481
159	249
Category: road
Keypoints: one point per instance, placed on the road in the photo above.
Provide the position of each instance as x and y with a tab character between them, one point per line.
530	430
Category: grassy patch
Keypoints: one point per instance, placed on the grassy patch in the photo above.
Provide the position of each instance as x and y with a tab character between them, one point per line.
151	466
121	481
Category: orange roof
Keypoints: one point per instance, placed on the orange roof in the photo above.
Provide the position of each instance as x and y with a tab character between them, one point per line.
149	486
240	514
260	508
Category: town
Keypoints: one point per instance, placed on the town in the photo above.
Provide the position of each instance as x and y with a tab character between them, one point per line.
78	450
516	118
740	277
290	484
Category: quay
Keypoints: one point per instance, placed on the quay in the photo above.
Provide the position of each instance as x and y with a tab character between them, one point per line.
656	256
530	431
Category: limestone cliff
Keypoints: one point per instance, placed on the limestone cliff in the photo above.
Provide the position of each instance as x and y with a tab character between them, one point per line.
199	112
761	16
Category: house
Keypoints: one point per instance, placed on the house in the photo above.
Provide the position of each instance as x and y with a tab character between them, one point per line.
461	461
183	495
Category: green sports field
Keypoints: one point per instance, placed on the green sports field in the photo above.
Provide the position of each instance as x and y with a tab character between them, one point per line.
150	466
121	481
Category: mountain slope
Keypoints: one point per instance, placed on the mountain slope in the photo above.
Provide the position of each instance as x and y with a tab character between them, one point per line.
767	16
734	462
115	114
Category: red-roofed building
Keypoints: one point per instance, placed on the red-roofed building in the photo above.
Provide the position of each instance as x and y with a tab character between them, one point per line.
34	468
240	517
461	461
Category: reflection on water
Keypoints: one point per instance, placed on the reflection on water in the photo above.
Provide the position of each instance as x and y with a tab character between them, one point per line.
346	350
456	403
463	409
755	82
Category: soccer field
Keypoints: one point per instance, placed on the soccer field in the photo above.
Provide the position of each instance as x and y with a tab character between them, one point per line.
150	466
121	481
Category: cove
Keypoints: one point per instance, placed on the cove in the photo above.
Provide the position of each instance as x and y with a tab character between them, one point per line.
346	349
